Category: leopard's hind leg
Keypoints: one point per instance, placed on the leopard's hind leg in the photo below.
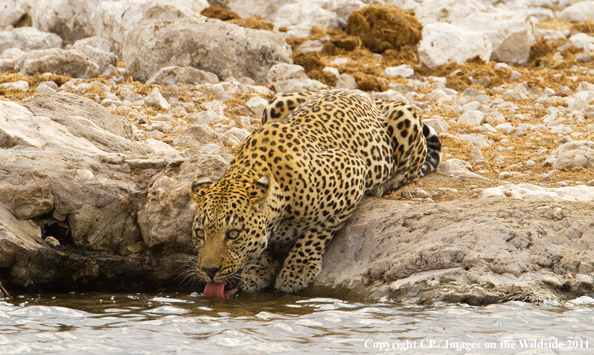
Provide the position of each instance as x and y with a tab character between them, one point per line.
409	145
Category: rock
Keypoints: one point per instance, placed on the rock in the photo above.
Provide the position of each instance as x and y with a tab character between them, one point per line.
198	136
515	75
456	168
472	118
28	38
168	197
578	12
506	127
529	192
17	85
509	32
257	104
244	8
476	156
576	154
404	71
584	58
209	45
70	62
346	81
45	86
444	43
79	173
114	19
94	86
204	117
154	99
177	75
438	124
71	20
291	78
97	42
480	140
434	251
304	15
331	72
582	41
55	105
11	12
102	58
471	92
238	133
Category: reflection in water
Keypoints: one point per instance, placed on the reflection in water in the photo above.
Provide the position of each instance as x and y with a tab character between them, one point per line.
269	323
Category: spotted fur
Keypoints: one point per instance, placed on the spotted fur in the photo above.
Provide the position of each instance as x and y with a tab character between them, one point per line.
295	182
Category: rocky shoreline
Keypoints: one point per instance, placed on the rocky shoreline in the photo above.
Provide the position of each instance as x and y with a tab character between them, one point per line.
105	121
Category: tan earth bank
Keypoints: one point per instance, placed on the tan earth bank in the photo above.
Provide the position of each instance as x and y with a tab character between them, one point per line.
96	163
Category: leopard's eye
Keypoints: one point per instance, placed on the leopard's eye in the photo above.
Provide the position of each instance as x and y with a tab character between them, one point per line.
199	233
232	234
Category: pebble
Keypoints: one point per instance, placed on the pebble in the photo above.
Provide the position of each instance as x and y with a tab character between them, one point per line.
16	85
515	75
332	72
156	100
404	71
52	242
420	193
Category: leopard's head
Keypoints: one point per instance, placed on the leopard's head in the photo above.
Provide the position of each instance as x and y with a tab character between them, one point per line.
230	226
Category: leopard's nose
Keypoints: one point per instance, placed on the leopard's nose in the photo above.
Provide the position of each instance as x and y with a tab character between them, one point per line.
211	271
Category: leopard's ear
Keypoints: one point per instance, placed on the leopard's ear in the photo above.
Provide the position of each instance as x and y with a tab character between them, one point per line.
199	185
261	189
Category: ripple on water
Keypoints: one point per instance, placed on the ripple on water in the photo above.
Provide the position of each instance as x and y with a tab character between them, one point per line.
257	324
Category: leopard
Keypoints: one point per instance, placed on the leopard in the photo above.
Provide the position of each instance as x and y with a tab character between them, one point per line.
296	180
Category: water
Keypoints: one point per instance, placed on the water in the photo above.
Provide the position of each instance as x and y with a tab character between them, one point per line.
270	324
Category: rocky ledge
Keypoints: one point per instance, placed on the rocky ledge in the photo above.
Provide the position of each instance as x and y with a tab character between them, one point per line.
102	129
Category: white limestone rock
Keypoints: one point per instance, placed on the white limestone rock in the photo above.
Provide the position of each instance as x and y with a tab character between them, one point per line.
291	78
114	19
206	44
443	43
97	42
438	124
510	34
156	100
102	58
456	168
404	71
256	104
198	136
346	81
246	8
204	117
70	62
187	75
578	12
576	154
529	192
300	17
11	11
28	38
472	118
16	85
71	20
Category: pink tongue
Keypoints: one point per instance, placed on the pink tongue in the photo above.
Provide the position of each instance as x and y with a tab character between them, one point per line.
213	289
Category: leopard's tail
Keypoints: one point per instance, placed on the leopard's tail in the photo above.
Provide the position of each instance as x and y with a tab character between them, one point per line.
433	151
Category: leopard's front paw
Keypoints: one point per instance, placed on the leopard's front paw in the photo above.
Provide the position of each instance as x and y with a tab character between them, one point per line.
258	275
294	278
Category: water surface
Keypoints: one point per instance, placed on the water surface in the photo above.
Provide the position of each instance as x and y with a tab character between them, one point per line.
270	324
